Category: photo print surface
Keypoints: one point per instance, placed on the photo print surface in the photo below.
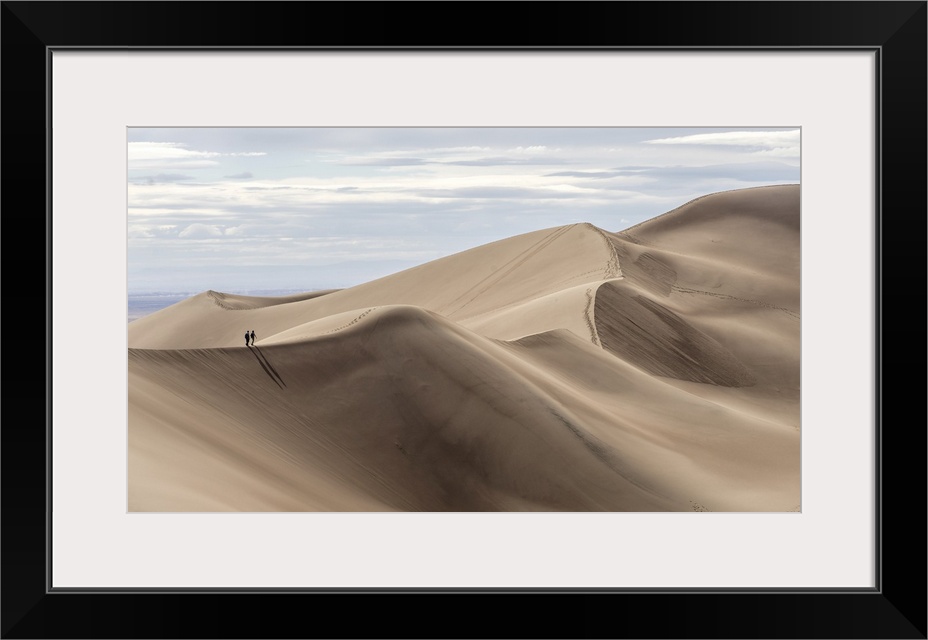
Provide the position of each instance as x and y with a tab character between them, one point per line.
464	319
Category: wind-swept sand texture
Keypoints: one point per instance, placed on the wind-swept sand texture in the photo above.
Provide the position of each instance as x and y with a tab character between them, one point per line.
568	369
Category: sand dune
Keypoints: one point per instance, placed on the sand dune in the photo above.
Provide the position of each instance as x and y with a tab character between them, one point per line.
568	369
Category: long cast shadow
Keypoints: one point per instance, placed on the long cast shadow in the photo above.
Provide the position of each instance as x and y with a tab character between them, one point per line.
269	365
268	369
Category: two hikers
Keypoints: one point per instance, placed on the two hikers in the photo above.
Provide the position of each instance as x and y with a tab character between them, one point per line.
249	336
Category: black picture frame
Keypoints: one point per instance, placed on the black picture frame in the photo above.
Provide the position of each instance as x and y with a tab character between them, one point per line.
896	608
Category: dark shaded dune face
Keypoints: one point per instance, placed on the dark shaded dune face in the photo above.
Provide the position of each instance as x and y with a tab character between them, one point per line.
643	268
479	429
655	339
656	272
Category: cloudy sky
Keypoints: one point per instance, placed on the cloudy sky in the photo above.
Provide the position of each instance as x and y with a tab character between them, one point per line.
245	210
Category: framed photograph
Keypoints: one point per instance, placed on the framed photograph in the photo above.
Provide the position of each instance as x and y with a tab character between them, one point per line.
759	488
515	354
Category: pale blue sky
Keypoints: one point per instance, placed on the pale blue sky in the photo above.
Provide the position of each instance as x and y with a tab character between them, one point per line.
244	209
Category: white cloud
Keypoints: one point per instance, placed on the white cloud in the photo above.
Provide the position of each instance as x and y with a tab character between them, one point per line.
777	143
165	151
198	230
139	231
469	155
175	155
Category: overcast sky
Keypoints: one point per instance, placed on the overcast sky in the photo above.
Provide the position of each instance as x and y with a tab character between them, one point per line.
239	210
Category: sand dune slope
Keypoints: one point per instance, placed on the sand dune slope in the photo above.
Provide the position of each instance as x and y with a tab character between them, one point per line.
463	286
569	369
417	412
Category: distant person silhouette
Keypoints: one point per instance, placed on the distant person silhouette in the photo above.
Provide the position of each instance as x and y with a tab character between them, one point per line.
252	337
246	338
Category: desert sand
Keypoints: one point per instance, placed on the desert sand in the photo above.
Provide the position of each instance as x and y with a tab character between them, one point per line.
568	369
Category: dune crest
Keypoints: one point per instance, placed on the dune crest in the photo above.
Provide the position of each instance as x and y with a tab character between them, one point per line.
567	369
238	302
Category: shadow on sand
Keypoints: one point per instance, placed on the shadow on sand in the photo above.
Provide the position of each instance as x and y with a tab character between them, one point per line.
268	368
